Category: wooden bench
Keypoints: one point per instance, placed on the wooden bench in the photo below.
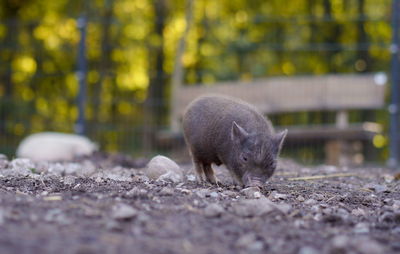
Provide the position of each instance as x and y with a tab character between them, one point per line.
337	93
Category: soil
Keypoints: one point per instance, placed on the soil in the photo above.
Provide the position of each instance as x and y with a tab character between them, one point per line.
102	207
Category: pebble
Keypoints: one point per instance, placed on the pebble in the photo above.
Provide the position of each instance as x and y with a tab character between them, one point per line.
318	197
251	192
123	211
191	178
231	194
202	193
368	246
359	212
253	207
361	228
69	180
1	217
3	161
136	192
56	215
396	205
214	194
247	241
21	167
308	250
339	242
166	191
310	201
163	168
213	210
300	198
376	187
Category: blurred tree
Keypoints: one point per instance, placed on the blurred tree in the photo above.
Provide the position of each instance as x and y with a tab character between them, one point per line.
131	52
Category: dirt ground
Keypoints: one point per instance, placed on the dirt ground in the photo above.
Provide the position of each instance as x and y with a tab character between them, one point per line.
95	205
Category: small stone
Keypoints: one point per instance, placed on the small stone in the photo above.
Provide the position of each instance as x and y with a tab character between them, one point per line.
251	192
390	217
191	178
185	191
284	208
376	187
229	193
361	228
339	242
368	246
57	216
69	180
202	193
310	202
136	192
3	161
388	178
245	240
396	205
359	212
122	212
1	217
163	168
277	196
253	207
113	225
214	194
170	177
396	230
300	198
22	167
308	250
213	210
166	191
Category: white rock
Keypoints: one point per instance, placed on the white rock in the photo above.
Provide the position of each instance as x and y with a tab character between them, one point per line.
166	191
69	180
251	192
310	202
3	161
276	196
214	194
53	146
253	207
1	217
122	211
163	168
361	228
213	210
20	167
359	212
308	250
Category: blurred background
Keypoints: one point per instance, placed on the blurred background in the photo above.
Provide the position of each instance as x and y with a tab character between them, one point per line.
113	69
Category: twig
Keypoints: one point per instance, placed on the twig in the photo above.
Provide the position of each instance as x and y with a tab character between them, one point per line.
307	178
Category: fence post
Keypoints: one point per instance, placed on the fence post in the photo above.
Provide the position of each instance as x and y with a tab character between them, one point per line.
80	126
394	105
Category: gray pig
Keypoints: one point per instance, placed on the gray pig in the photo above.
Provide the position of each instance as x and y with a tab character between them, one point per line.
225	130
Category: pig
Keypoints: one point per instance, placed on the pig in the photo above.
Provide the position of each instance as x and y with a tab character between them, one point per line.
54	146
225	130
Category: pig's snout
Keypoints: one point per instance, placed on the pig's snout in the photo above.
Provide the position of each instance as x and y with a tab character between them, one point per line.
252	181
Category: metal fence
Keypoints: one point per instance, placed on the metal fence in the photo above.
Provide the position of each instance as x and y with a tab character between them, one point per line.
101	78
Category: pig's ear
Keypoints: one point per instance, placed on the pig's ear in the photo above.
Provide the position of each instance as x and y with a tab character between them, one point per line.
238	134
279	138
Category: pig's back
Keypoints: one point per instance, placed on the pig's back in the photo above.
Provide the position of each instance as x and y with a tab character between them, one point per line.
207	124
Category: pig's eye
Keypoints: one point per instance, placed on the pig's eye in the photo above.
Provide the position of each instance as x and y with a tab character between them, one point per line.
244	158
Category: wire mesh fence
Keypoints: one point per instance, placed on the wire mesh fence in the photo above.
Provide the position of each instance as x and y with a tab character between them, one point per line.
130	53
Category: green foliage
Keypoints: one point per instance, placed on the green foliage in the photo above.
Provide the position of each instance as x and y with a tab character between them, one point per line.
130	62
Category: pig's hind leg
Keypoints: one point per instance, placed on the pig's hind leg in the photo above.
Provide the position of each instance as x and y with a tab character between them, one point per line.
198	166
209	172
